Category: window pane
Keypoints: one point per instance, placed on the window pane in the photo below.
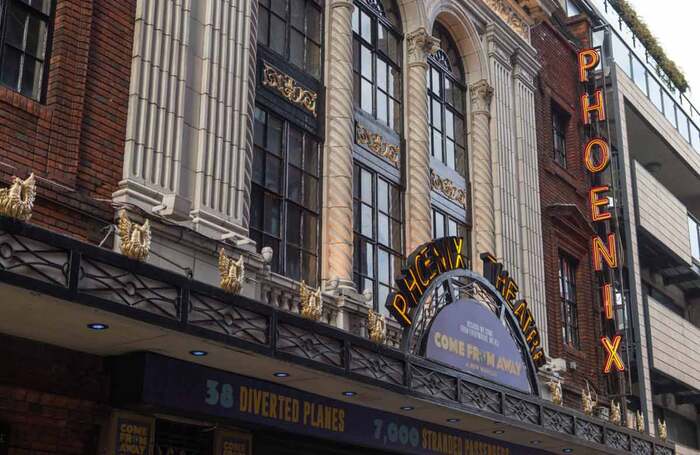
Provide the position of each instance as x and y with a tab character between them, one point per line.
310	231
437	145
395	202
366	62
449	124
273	174
293	263
383	267
9	73
438	225
16	22
296	48
683	125
313	59
272	215
311	193
297	14
396	235
356	20
381	74
294	184
366	96
669	108
40	5
459	131
259	127
461	161
383	195
639	74
310	269
366	186
382	107
437	114
383	229
311	156
278	34
263	26
296	146
256	207
293	224
31	79
279	7
274	135
258	166
435	81
394	48
367	258
366	26
36	37
452	227
621	54
655	93
450	154
366	221
313	22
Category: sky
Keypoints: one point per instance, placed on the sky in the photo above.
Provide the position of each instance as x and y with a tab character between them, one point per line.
674	23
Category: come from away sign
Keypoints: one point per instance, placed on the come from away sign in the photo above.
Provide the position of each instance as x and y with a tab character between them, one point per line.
470	337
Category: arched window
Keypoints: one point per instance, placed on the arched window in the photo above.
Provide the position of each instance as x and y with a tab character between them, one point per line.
377	60
447	97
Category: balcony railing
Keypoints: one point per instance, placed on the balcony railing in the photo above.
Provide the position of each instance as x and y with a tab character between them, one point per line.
632	57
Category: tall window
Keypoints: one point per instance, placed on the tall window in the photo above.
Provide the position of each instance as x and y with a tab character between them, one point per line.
378	234
445	225
284	212
24	34
559	123
292	28
446	97
377	60
567	290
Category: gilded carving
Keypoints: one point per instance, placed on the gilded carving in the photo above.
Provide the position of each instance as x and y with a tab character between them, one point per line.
135	239
663	431
588	403
639	422
420	44
615	414
555	389
289	88
510	17
311	302
375	142
232	273
448	188
376	327
17	201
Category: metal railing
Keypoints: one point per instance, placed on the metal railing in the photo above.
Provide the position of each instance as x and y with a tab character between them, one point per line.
633	58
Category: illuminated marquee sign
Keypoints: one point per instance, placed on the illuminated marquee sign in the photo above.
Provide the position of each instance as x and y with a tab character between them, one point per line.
426	265
500	278
596	159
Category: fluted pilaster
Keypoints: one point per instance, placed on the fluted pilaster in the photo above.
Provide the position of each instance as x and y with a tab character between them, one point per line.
418	213
482	189
337	176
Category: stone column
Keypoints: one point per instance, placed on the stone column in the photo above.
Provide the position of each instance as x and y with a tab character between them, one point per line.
482	172
418	213
337	173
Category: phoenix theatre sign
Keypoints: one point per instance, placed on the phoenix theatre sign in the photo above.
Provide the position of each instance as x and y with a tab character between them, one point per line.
500	343
596	159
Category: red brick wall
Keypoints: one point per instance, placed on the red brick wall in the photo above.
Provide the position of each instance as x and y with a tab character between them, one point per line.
74	140
565	216
54	400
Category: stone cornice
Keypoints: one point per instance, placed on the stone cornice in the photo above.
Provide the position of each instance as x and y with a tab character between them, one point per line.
515	20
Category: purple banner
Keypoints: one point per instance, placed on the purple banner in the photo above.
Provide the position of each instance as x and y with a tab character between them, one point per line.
471	338
175	384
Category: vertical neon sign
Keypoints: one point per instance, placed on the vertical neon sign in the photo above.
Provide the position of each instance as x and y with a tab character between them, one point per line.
596	159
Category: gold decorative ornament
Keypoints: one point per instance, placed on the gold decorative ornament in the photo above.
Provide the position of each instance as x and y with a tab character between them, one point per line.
232	273
588	403
135	239
639	422
510	17
663	431
376	327
311	302
289	88
375	143
17	201
448	188
615	414
555	389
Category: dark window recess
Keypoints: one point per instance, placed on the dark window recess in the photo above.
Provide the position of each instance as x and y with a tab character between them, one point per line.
292	29
445	225
24	36
285	196
446	98
377	61
378	231
567	291
560	121
174	438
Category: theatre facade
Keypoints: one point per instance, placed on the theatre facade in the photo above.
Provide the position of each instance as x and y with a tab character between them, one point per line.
287	226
